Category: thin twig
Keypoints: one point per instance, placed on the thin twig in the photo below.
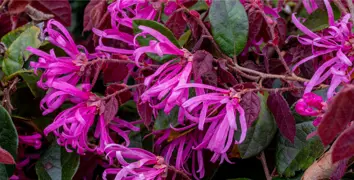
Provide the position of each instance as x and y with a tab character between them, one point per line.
184	175
351	9
340	6
269	76
265	166
122	90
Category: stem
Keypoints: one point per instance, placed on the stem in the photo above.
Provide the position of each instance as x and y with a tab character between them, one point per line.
11	76
273	76
351	9
340	6
265	166
122	90
184	175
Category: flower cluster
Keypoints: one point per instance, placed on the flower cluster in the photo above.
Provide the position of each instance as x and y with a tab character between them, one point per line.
210	116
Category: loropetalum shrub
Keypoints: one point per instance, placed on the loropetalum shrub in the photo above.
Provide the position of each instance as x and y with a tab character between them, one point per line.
173	89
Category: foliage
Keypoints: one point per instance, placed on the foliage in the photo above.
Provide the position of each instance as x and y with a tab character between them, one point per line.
156	89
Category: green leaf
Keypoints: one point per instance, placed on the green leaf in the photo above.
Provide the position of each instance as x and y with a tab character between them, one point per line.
57	164
184	38
318	20
145	41
3	173
229	25
261	133
300	155
163	121
8	137
16	48
31	81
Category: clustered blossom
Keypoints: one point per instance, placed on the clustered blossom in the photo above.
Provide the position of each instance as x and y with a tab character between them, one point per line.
210	118
334	45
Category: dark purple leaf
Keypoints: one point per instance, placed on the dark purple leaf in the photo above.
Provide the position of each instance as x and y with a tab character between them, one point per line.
110	109
340	112
17	7
121	97
255	21
145	112
202	63
6	157
95	15
282	115
251	104
176	23
5	24
61	9
193	26
224	75
114	72
343	147
281	30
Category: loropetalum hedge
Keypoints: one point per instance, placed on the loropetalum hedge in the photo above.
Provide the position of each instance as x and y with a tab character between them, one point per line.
174	89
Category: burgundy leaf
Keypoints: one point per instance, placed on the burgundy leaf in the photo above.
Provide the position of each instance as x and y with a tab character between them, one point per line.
202	63
5	24
281	30
193	26
251	104
145	112
224	75
95	15
340	112
176	23
114	72
17	7
121	97
343	147
111	109
6	157
282	115
255	21
61	9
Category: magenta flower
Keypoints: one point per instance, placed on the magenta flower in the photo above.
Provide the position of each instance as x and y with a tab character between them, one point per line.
161	46
183	146
310	5
311	105
31	140
69	69
116	125
335	42
62	91
219	109
135	163
123	12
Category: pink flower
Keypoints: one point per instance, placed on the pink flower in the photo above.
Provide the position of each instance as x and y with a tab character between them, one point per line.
31	140
123	12
69	69
62	91
310	5
161	46
135	163
336	41
311	105
183	146
219	109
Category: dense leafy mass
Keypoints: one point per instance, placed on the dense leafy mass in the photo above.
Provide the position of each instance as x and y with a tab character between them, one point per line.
159	89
